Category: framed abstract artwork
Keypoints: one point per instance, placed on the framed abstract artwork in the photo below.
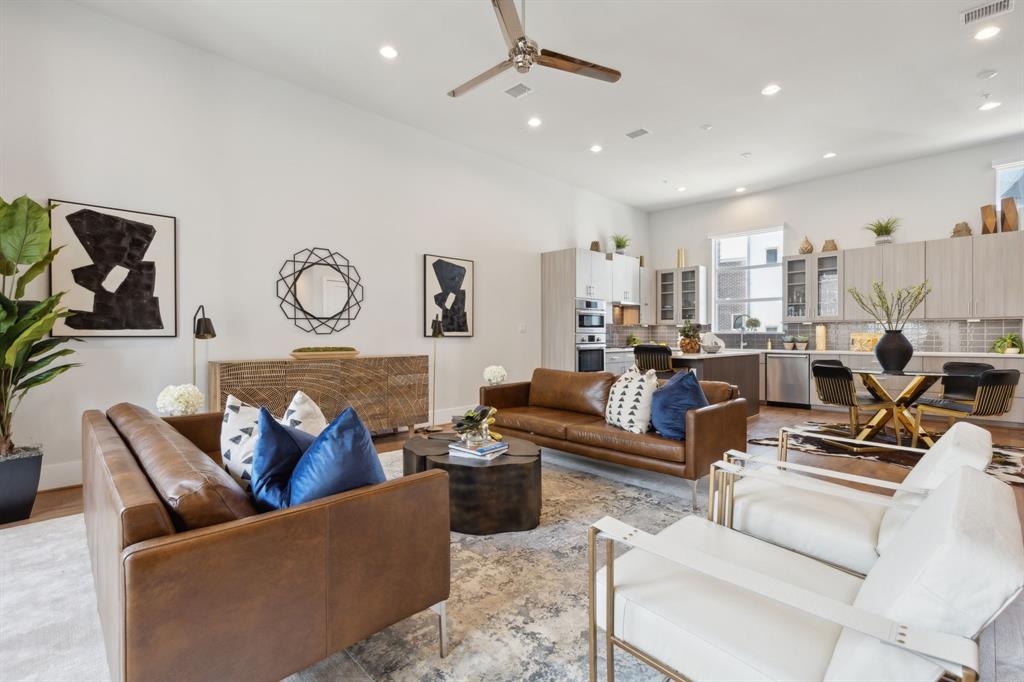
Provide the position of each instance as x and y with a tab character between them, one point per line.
448	295
119	269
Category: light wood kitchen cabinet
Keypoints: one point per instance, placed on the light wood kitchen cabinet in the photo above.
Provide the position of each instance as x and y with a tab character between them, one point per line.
593	275
998	277
625	279
647	297
827	286
861	269
796	284
904	267
681	295
949	269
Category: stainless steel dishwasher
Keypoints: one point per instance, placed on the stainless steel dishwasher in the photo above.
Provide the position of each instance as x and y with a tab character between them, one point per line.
787	379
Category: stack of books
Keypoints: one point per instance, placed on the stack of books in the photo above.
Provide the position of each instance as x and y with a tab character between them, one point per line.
485	451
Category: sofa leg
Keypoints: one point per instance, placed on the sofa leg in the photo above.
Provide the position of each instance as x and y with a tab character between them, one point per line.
442	625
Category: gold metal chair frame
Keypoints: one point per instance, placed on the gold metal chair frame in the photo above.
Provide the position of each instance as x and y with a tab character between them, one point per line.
989	401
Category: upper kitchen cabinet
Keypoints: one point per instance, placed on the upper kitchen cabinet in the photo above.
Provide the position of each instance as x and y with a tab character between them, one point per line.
998	277
827	295
648	299
625	279
593	275
797	276
681	295
861	269
949	268
904	267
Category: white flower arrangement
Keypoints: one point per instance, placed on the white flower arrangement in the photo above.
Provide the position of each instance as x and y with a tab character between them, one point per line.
177	401
495	374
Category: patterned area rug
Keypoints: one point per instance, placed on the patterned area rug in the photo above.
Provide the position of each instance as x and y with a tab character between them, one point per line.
518	608
1007	463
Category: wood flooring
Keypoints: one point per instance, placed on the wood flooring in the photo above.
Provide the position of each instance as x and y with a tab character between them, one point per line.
1002	645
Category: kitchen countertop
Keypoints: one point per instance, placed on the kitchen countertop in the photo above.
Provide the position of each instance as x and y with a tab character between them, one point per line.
758	351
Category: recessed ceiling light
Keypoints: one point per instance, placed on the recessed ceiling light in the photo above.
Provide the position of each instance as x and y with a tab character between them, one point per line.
706	127
988	104
388	52
741	190
828	155
596	148
746	155
680	189
987	33
988	75
771	89
533	122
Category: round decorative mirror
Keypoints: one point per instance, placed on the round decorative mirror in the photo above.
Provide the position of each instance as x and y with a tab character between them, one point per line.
320	291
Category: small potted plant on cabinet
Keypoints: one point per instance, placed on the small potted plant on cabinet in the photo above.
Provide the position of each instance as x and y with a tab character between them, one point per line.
621	241
789	342
1011	344
800	342
883	230
26	356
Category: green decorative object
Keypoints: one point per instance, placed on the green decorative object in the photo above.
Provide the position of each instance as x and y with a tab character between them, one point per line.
883	229
1010	344
621	241
689	338
752	323
474	425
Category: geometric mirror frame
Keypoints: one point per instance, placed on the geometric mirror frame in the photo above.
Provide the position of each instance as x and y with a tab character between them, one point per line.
320	291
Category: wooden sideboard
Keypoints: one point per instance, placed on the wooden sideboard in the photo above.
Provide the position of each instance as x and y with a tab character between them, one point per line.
387	391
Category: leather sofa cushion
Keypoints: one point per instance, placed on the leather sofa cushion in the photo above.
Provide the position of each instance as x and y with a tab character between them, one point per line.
602	435
541	420
719	391
584	392
691	621
195	489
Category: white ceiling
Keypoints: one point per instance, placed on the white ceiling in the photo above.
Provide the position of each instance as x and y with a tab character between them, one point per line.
872	81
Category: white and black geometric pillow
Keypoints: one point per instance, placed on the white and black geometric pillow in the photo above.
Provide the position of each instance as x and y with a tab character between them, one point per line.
629	401
238	436
239	431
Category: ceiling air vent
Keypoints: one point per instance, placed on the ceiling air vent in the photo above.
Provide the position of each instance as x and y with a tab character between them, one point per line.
639	132
518	90
992	9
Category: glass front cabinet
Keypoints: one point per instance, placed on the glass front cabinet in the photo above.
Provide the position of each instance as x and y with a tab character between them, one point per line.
681	295
813	287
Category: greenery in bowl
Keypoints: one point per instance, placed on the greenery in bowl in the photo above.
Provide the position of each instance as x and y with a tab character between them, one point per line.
883	227
891	309
621	241
1004	343
324	349
800	339
789	339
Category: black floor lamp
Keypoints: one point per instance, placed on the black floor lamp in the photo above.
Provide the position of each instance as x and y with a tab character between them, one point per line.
436	332
202	328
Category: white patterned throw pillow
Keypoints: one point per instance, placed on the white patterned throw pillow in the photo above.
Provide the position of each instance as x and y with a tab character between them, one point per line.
629	401
239	431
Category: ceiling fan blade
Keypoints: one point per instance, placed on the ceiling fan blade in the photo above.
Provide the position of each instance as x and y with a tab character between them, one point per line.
563	62
508	18
486	75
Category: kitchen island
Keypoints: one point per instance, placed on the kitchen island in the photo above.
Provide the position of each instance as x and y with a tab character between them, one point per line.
739	367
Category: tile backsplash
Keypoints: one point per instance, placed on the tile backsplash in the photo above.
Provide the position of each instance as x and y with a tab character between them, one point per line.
955	336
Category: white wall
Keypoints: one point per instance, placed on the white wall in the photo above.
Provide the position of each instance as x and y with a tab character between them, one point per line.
930	195
255	169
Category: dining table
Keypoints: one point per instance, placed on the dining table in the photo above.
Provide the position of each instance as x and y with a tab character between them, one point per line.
918	385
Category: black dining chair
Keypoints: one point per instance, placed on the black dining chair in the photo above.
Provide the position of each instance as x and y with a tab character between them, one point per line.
835	386
992	398
961	380
648	356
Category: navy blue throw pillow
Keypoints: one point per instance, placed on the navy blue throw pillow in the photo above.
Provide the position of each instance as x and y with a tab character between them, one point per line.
278	449
341	458
672	401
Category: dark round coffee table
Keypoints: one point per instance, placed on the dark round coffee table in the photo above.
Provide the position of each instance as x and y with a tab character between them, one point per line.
499	496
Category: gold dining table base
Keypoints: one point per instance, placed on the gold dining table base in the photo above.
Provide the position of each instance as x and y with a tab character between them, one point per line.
908	396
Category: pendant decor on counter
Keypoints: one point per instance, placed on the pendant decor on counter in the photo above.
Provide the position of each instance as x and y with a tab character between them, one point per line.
892	309
320	291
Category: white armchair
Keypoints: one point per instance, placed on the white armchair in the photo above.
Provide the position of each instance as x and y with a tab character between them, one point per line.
825	519
699	601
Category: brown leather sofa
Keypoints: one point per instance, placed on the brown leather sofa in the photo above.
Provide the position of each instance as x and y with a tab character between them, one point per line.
193	584
566	411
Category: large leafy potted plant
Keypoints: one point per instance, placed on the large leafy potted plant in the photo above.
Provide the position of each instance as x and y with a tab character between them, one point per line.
892	310
27	357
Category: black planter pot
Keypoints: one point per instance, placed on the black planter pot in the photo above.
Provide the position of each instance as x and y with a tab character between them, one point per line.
893	350
19	481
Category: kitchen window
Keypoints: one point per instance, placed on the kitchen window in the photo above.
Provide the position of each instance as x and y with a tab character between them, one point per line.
746	275
1010	183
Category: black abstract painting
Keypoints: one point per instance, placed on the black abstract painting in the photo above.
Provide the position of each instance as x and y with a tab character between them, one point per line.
118	268
448	295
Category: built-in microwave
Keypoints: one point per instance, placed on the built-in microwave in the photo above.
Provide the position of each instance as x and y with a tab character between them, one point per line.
590	315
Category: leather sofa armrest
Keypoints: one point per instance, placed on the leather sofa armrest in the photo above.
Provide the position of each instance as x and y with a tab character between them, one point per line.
712	430
202	429
516	394
268	595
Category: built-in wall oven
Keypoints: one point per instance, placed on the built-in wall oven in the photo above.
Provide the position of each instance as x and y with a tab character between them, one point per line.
590	352
590	316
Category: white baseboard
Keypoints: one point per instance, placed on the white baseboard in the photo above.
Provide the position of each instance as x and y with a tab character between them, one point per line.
60	475
445	414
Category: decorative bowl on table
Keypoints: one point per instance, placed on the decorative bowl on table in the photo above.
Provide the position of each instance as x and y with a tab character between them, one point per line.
324	353
711	347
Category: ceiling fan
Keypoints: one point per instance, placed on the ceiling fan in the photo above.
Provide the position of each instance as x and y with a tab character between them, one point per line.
523	53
